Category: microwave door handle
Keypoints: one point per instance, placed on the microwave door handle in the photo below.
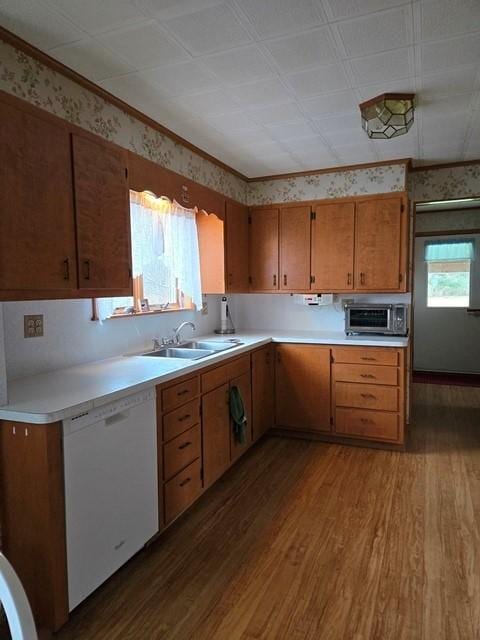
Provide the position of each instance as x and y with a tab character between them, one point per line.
389	326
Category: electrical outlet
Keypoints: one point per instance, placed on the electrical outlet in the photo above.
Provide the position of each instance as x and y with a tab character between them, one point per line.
204	307
33	326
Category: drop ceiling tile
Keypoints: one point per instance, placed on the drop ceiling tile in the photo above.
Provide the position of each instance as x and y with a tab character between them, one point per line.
288	131
210	103
383	67
437	85
181	79
247	139
144	45
37	23
310	49
313	82
96	16
355	154
91	59
260	93
446	18
283	164
438	154
332	124
338	102
303	146
213	29
407	85
166	9
348	137
132	88
277	113
313	160
455	52
240	65
338	9
231	121
279	17
374	33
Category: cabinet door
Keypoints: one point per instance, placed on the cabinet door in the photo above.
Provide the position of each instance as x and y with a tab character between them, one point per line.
243	383
264	250
302	387
378	245
37	229
237	247
332	247
102	215
262	391
216	433
295	249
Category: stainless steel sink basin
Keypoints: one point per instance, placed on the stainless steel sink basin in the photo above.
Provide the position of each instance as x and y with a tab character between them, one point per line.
180	352
207	344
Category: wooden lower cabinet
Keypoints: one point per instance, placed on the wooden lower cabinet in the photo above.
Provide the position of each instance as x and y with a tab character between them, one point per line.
263	390
216	433
182	490
302	387
244	384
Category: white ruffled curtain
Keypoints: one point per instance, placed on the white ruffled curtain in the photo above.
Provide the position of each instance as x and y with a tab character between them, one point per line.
165	252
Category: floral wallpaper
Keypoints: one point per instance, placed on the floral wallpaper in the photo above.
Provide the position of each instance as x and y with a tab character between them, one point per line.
30	80
337	184
445	184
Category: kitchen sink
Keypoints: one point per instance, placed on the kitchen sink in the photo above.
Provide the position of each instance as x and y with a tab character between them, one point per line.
211	345
180	352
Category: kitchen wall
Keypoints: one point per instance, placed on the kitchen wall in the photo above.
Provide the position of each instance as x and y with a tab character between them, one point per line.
280	312
334	184
446	339
72	338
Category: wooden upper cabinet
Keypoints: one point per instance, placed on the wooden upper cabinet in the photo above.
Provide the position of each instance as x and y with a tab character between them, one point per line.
333	234
295	248
211	245
237	247
102	216
262	390
264	251
381	244
37	230
302	387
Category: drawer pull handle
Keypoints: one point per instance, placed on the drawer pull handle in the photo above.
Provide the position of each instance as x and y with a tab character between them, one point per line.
86	273
349	278
185	417
368	359
368	396
274	281
285	280
183	392
184	482
367	375
366	421
184	445
66	269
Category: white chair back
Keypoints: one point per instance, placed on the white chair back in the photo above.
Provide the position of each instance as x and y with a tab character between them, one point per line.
15	603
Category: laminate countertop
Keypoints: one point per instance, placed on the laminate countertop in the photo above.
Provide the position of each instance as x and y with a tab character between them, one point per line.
65	393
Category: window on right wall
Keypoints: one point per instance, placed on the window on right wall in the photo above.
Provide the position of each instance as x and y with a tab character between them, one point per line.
449	272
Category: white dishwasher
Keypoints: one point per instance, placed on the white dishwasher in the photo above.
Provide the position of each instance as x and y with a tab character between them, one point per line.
111	489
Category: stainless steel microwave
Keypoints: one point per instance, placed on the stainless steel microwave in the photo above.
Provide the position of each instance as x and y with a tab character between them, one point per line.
383	319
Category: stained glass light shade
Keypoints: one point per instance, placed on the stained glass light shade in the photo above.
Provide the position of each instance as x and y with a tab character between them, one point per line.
388	116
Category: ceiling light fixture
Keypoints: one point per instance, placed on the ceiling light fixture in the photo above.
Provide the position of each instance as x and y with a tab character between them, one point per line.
388	115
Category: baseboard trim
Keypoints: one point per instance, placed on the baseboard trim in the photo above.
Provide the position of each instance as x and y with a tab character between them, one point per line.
446	378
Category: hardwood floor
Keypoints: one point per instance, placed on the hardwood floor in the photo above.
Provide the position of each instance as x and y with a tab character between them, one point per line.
304	540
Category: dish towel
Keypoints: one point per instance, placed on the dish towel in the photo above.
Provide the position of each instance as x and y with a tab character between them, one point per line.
237	412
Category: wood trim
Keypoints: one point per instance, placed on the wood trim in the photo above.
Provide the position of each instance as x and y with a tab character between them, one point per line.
32	51
348	167
314	203
452	210
447	378
448	232
446	165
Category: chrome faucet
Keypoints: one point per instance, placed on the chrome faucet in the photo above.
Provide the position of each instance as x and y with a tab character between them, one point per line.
176	334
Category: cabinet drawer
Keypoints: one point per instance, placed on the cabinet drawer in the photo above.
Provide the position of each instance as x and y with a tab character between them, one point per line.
180	393
361	423
181	419
366	374
224	373
182	490
371	397
181	451
369	355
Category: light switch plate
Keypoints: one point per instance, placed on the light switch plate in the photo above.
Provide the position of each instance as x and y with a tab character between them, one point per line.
33	326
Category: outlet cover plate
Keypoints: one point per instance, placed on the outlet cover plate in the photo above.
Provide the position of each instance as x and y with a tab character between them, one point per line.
33	326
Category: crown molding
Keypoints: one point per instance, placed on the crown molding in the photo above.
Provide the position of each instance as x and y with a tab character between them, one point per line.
445	165
48	61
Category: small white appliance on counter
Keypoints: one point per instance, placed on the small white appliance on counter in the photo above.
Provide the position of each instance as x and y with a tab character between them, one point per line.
111	489
381	319
226	323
